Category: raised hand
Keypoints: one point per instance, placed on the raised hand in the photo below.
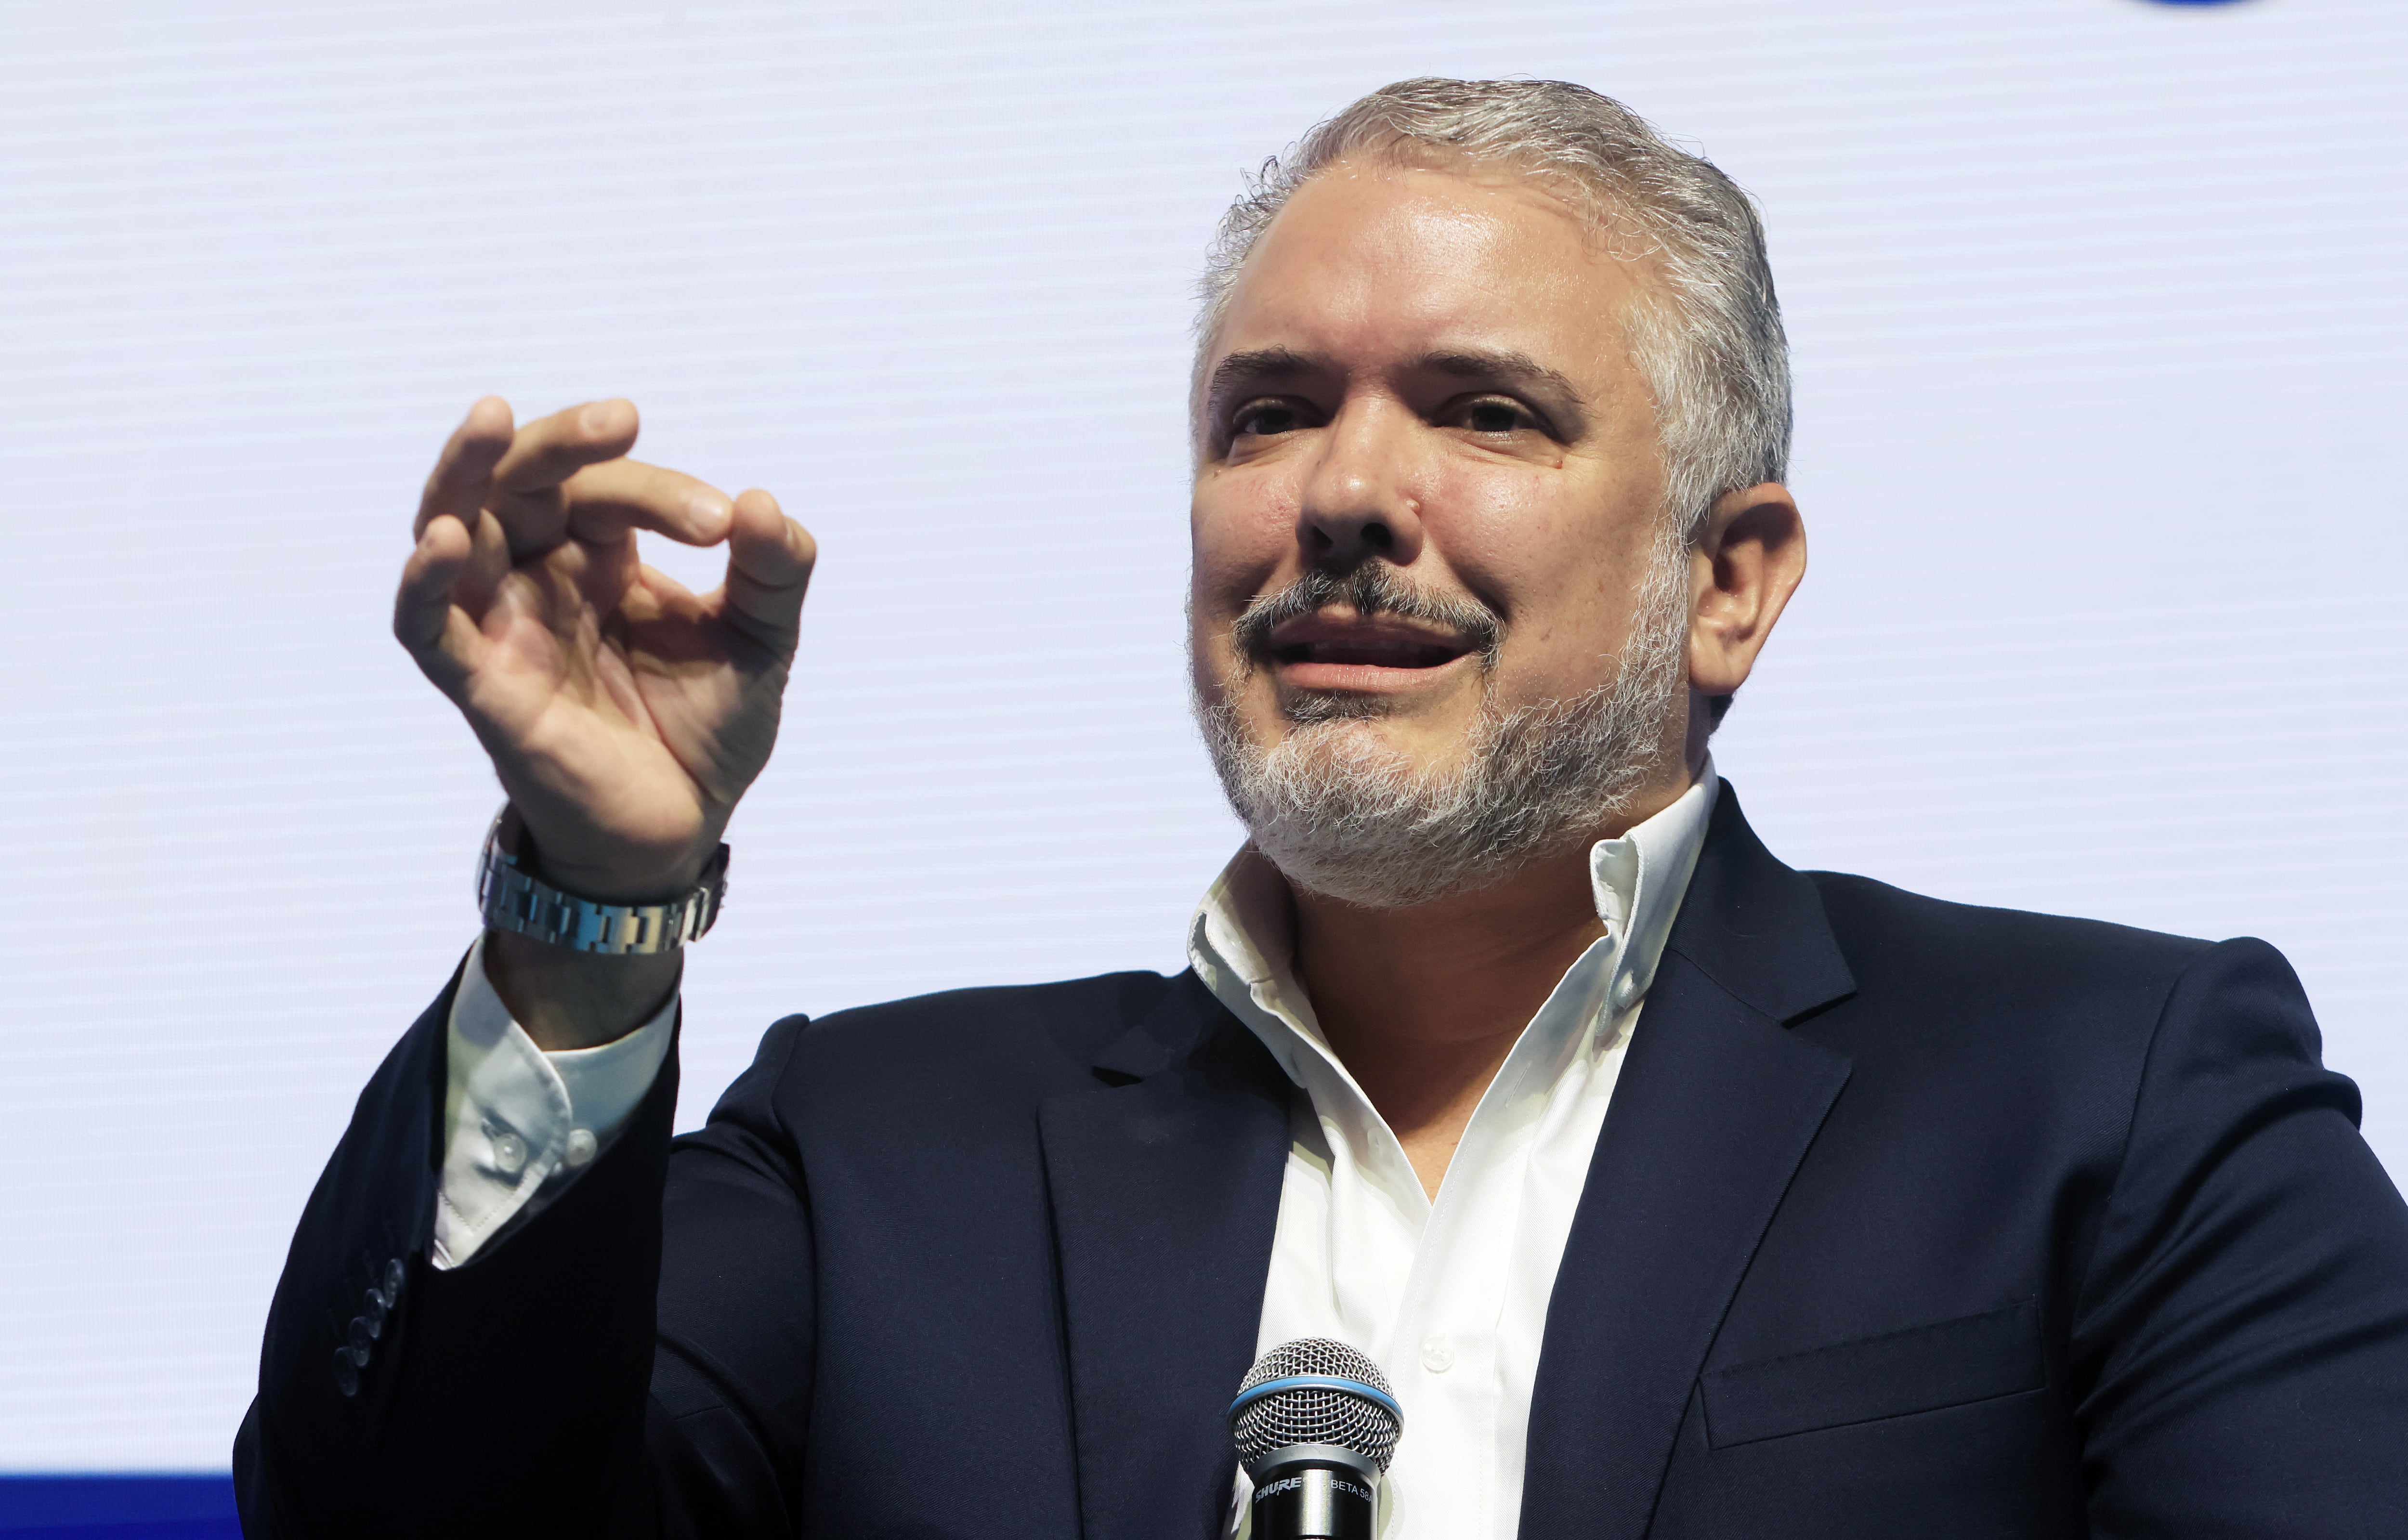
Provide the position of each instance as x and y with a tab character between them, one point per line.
624	714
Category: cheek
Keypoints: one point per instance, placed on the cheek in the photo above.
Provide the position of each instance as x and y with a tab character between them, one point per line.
1520	537
1240	528
1560	557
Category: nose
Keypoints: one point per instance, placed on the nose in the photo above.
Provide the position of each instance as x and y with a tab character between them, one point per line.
1358	499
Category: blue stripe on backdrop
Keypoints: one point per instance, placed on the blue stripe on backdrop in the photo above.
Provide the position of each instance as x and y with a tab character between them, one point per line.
118	1507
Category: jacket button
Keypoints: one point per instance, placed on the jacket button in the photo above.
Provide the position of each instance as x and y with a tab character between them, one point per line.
347	1374
363	1341
393	1273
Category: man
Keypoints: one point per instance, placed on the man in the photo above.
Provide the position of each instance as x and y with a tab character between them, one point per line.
1680	1193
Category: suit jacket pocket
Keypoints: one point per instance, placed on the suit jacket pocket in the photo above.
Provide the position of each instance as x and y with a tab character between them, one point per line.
1921	1369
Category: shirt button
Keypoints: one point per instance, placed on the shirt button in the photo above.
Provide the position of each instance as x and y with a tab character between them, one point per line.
510	1153
1438	1357
581	1147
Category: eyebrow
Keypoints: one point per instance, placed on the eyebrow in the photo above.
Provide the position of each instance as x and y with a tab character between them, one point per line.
1504	366
1262	366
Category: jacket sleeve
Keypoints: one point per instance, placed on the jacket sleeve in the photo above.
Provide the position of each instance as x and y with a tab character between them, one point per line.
565	1382
2242	1334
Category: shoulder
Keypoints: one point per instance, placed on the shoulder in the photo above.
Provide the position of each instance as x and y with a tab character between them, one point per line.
1899	941
2055	1042
1035	1035
2054	1004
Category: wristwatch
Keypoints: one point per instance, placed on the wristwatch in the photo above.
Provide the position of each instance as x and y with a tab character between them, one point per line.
513	898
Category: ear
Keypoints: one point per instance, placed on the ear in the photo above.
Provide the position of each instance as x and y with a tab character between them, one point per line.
1746	564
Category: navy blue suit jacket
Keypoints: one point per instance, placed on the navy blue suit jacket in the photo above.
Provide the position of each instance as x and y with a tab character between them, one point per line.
1908	1219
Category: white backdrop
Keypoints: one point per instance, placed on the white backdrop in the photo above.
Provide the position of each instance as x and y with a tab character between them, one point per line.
2098	333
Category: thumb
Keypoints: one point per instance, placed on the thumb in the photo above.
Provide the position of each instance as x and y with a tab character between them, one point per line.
769	562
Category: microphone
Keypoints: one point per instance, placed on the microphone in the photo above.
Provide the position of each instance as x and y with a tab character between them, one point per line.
1315	1423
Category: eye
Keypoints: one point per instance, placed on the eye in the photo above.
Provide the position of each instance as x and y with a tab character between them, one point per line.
1265	419
1491	414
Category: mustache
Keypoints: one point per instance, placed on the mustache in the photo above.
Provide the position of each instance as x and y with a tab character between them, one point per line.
1375	587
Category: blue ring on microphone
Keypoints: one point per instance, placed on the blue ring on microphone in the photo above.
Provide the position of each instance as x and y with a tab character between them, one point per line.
1317	1382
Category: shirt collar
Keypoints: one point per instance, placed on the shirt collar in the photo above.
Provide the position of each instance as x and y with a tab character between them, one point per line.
1242	940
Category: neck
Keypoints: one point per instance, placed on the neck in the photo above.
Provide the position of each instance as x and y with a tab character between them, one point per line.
1422	1005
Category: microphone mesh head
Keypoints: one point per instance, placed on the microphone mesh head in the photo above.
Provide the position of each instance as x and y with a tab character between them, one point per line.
1313	1414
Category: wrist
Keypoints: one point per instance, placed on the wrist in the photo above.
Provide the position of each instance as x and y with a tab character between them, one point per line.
577	968
565	999
631	877
519	893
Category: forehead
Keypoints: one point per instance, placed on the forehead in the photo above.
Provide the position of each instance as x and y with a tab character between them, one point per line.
1368	262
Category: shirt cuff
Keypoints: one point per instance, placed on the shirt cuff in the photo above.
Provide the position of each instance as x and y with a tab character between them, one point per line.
520	1124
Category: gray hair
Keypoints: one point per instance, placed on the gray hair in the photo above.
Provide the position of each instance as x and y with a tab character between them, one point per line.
1709	342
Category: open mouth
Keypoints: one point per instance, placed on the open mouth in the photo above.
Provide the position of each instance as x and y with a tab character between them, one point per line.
1355	641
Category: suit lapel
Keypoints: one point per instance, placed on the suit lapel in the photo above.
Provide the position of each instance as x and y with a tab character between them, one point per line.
1717	1106
1166	1188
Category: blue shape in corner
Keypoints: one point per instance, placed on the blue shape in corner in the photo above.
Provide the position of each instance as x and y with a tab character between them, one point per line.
2199	2
118	1507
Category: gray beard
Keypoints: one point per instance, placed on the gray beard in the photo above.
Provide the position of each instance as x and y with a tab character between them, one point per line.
1342	814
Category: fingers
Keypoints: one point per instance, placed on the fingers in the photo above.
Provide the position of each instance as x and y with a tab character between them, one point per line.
463	472
606	501
563	477
770	561
551	449
438	634
526	489
566	476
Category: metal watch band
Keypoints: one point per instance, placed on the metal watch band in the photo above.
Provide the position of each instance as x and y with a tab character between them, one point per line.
513	899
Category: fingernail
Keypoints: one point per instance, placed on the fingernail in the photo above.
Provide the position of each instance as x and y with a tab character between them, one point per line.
710	507
596	418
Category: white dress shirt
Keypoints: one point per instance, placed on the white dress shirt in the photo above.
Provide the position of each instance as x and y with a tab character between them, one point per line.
1449	1297
519	1124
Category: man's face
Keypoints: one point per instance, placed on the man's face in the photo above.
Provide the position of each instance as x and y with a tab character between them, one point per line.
1425	373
